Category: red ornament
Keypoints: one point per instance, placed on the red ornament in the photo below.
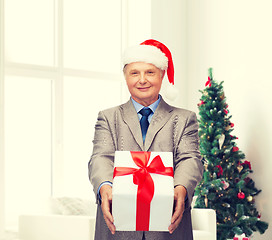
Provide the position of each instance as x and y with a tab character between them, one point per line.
201	103
247	179
235	149
208	83
247	163
241	195
232	124
220	170
226	111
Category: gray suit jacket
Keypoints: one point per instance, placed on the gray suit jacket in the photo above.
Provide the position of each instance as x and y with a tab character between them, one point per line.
171	130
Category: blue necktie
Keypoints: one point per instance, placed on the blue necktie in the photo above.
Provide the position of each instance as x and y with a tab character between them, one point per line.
145	112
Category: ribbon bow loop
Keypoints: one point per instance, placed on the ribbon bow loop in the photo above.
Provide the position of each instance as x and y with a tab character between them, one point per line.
156	165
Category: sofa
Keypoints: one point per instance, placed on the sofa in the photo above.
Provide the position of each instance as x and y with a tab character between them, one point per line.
78	223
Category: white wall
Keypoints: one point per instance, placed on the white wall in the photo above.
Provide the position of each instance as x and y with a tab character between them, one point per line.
235	39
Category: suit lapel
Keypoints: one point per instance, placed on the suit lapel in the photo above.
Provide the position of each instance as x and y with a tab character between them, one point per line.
159	119
130	117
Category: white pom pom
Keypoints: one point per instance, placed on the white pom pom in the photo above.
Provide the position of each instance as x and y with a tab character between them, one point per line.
171	92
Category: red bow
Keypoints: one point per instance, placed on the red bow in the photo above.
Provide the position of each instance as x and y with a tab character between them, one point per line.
143	179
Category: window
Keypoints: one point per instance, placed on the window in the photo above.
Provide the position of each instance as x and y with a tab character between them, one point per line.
59	55
28	145
61	63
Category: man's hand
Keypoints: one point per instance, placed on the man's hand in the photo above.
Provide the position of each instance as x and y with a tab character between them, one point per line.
106	196
179	206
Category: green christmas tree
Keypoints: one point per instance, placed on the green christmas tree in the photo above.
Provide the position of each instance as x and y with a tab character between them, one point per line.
226	185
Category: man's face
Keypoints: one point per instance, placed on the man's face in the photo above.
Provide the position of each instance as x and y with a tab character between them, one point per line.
144	82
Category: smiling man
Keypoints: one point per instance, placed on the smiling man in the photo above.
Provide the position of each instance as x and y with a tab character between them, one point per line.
167	129
144	82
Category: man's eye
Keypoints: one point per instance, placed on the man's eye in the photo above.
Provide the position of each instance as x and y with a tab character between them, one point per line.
133	73
150	72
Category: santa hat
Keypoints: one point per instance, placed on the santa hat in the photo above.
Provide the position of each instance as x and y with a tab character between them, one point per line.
154	52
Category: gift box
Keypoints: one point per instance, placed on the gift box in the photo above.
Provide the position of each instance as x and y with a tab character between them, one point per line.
241	237
142	191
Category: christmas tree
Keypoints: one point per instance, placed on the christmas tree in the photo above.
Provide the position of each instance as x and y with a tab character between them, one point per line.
226	185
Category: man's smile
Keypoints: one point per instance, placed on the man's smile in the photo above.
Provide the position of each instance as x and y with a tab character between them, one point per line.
143	88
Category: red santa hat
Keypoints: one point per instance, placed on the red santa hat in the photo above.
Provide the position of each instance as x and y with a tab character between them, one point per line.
154	52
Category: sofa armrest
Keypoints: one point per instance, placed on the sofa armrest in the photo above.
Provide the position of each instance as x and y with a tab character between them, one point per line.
56	227
204	222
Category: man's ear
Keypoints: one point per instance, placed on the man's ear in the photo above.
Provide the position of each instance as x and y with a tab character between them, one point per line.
124	69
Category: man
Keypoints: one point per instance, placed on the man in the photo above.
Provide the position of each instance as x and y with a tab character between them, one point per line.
170	130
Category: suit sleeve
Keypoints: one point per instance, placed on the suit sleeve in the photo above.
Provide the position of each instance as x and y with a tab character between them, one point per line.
101	162
188	165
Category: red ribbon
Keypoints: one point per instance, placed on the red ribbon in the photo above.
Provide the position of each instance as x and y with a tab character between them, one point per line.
143	179
208	83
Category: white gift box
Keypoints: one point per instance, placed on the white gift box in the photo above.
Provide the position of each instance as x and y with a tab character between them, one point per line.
241	237
125	194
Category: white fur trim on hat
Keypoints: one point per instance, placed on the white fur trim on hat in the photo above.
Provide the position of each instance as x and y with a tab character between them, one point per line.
147	54
171	92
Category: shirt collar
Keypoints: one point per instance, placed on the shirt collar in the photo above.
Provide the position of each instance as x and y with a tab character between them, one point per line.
139	106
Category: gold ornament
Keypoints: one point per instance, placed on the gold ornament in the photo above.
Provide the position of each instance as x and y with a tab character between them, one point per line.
222	96
240	168
249	198
205	93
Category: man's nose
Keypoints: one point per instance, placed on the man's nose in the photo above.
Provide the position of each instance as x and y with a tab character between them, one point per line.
142	79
